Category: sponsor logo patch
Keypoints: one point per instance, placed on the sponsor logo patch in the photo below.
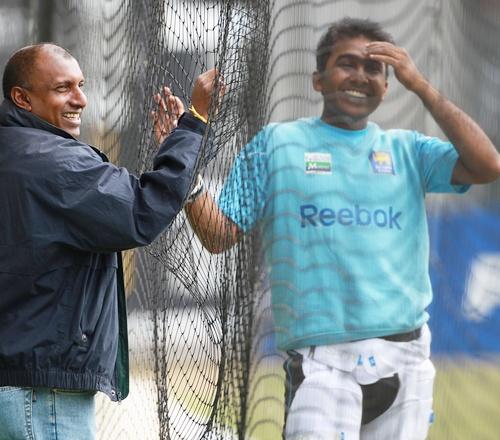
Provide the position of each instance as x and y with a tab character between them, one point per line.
318	163
382	162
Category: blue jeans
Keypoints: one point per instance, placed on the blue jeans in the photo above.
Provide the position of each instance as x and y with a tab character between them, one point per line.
46	414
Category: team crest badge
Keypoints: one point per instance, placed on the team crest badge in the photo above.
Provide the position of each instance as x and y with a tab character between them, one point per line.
382	162
318	163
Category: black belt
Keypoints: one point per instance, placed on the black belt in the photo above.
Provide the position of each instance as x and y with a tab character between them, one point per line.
403	337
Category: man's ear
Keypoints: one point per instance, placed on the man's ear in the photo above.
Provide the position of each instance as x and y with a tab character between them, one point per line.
20	98
317	83
385	90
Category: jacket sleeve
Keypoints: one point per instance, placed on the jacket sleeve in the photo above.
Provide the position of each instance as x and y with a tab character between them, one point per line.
95	206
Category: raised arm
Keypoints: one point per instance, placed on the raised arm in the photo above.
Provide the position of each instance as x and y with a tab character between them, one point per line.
215	231
479	161
170	107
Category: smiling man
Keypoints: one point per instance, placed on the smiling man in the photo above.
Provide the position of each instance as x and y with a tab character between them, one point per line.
66	213
340	204
54	93
349	97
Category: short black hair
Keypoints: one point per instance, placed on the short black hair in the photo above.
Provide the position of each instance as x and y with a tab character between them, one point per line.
21	65
348	28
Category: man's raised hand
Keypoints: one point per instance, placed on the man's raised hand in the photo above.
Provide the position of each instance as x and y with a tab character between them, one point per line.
208	84
405	69
167	114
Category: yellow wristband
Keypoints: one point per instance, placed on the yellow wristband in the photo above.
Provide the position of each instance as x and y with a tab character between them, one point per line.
197	115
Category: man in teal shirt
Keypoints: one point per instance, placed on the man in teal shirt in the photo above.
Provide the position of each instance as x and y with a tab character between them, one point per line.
340	203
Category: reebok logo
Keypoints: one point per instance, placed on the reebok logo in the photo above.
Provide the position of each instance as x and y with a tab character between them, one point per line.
311	215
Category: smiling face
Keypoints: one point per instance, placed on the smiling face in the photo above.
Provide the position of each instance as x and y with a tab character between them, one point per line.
55	91
352	84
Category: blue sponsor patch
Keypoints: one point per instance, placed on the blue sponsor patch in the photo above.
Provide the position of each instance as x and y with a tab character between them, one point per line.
382	162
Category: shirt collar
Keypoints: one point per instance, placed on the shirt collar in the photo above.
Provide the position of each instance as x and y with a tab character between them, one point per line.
13	116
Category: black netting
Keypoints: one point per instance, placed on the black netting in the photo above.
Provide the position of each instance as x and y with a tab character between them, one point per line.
204	362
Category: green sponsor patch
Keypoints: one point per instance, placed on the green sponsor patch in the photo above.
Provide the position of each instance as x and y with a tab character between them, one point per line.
318	163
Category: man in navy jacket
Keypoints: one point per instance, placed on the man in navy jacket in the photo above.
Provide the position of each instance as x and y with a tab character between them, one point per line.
65	214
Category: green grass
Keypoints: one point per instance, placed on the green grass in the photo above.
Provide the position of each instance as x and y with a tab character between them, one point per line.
466	400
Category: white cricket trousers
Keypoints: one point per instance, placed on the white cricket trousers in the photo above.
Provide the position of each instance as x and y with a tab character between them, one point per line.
328	403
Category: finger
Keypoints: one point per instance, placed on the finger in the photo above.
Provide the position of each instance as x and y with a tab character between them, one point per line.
175	106
380	44
171	105
384	48
163	105
160	102
222	89
387	59
220	84
378	50
167	93
157	98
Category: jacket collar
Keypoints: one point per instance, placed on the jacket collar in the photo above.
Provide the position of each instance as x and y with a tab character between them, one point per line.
13	116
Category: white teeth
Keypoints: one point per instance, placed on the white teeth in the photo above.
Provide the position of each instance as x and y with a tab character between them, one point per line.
72	115
356	93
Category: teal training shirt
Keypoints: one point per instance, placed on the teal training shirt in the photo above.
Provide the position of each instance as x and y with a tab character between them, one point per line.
344	225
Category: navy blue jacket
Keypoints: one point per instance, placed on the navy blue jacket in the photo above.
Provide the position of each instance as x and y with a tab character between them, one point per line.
64	215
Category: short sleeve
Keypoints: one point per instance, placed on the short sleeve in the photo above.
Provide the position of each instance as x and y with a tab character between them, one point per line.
437	161
243	196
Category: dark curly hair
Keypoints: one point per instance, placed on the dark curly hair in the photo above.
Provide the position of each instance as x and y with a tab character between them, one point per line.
348	28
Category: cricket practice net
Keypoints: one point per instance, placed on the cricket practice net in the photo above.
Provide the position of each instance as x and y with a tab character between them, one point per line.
204	363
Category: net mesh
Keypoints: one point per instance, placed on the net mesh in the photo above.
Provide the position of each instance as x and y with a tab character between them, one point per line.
203	358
